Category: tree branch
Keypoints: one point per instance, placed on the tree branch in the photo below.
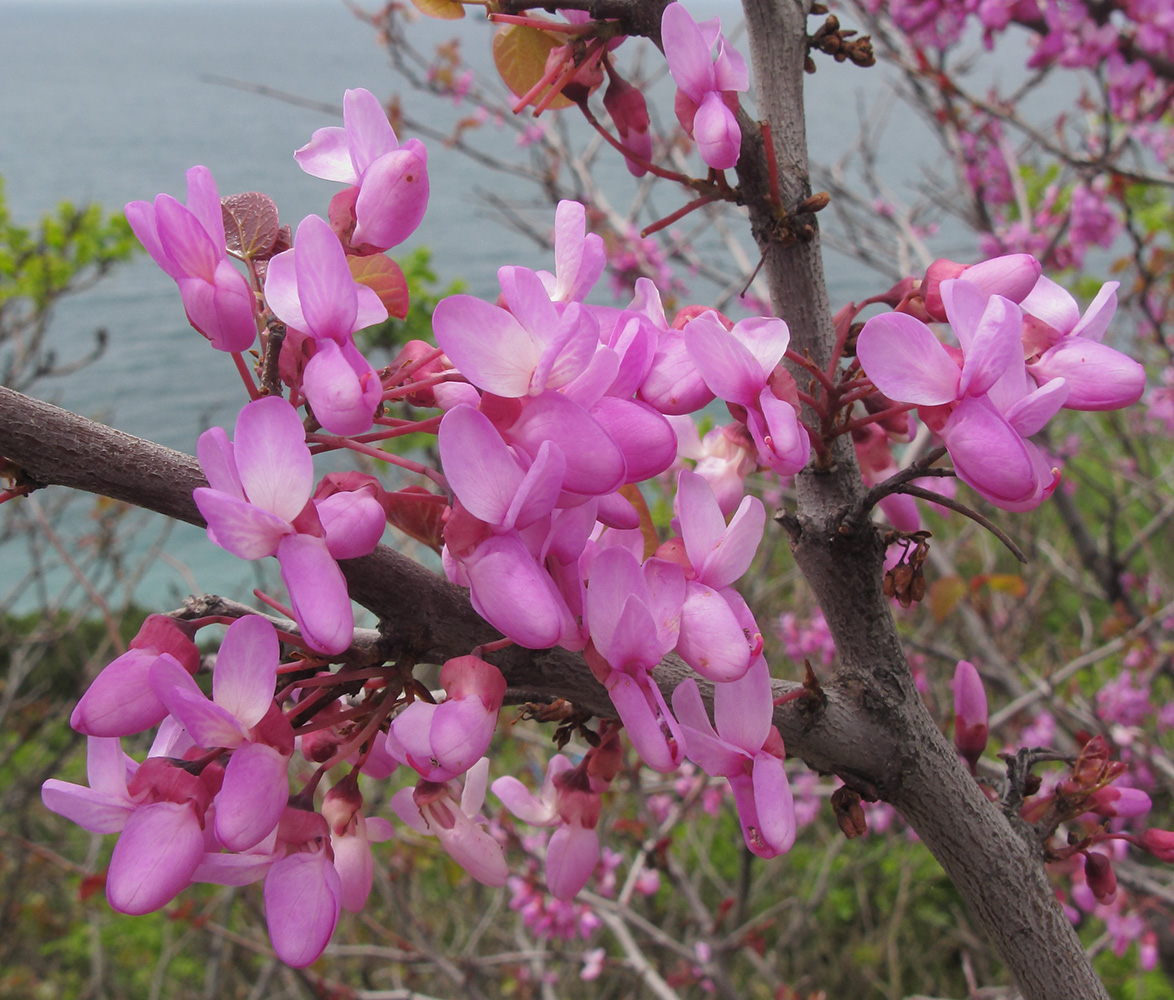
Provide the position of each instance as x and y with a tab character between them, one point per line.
996	867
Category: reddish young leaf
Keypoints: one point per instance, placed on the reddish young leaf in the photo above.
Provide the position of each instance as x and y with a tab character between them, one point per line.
250	224
385	278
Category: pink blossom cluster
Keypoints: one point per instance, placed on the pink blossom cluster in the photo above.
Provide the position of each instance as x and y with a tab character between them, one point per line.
1024	351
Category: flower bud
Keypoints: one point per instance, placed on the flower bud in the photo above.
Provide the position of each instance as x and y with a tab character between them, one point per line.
1098	872
1160	843
970	713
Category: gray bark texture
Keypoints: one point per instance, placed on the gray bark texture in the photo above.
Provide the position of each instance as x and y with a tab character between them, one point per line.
874	730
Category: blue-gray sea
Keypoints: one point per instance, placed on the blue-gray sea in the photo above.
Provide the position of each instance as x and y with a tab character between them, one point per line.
112	100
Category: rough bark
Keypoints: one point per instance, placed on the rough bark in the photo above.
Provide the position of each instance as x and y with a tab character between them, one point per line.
996	868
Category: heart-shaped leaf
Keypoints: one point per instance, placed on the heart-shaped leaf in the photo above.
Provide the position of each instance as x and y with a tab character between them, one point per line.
250	224
385	278
520	54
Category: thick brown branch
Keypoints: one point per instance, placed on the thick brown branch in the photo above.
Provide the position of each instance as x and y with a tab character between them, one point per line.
421	615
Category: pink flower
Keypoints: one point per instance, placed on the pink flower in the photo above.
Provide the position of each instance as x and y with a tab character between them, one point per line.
120	700
743	367
156	807
985	409
747	750
1064	344
443	741
706	80
310	288
634	614
567	802
258	504
389	182
188	243
434	809
241	715
713	618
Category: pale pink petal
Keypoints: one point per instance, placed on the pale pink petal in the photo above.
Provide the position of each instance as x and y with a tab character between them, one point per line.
204	203
326	289
743	709
711	640
1052	304
673	384
215	454
901	357
644	436
248	532
356	869
318	593
1098	377
302	901
1030	413
702	524
328	155
595	463
403	804
254	795
528	301
728	367
342	388
515	595
471	847
208	723
393	197
988	454
523	803
246	669
353	522
187	243
272	458
571	856
368	131
654	733
774	804
735	551
539	489
487	345
1097	316
689	58
1012	275
716	132
478	465
281	291
461	732
155	857
120	700
995	344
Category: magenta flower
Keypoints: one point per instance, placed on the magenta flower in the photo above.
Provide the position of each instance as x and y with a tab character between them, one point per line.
634	616
743	367
156	807
1068	346
434	809
241	716
985	409
120	700
444	741
747	750
188	243
579	256
522	350
567	803
258	504
712	638
389	181
707	71
310	288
